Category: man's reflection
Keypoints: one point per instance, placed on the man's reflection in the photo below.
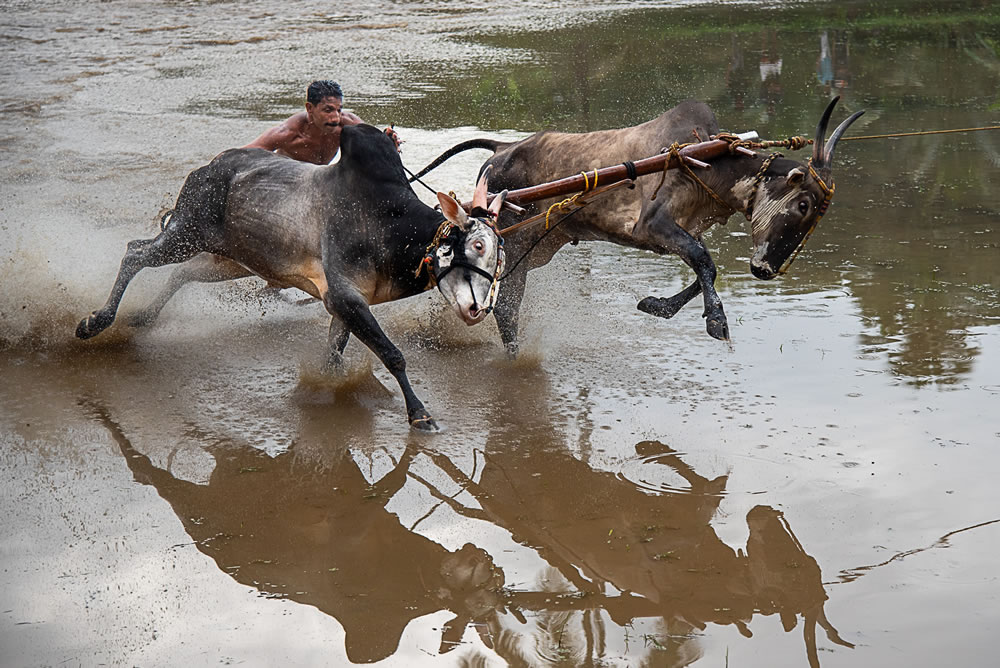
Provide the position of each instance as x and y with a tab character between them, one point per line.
832	66
771	91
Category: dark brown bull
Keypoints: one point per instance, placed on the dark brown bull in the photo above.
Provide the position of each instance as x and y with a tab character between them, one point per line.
782	198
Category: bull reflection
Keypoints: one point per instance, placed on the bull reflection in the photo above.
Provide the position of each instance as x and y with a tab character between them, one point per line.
636	555
614	555
321	537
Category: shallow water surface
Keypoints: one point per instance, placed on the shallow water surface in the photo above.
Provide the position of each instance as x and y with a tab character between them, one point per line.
628	491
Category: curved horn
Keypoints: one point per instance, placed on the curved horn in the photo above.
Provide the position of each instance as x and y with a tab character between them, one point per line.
820	141
831	144
497	203
479	197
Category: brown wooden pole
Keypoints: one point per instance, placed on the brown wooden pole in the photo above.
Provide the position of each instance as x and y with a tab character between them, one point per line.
702	151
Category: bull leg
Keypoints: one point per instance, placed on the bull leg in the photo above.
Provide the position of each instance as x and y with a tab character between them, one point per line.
670	237
337	342
357	317
170	247
508	309
667	307
204	268
529	254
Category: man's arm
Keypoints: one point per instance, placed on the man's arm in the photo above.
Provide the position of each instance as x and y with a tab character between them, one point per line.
277	137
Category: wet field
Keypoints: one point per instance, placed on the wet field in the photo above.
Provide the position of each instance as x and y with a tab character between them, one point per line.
629	491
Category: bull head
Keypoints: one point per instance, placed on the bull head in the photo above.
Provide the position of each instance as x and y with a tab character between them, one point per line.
790	198
469	257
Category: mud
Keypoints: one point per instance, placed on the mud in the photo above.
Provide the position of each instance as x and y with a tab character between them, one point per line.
628	491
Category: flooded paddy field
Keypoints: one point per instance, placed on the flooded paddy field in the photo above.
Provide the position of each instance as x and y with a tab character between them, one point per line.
628	491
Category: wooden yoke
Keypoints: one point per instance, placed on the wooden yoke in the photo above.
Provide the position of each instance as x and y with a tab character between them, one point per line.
694	154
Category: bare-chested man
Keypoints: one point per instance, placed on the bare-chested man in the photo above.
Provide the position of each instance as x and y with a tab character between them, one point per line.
313	135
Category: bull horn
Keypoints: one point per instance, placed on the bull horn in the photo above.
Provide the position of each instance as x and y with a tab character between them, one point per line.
497	203
831	144
820	141
479	197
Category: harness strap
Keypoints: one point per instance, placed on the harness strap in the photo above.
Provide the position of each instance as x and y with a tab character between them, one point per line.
705	187
466	265
443	230
674	151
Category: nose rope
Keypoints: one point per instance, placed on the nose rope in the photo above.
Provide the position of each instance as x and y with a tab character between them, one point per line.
472	289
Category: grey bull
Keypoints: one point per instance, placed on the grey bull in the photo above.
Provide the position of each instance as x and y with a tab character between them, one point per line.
350	234
782	198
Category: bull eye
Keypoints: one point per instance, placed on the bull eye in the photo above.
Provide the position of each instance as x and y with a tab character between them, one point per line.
803	207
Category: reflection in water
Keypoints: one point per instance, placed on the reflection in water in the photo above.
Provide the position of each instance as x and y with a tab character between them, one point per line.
322	535
832	68
770	73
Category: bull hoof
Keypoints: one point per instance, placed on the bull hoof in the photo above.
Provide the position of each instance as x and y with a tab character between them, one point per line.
660	307
718	328
424	424
90	326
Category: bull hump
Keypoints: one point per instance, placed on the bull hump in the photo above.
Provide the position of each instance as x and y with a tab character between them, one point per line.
566	154
364	144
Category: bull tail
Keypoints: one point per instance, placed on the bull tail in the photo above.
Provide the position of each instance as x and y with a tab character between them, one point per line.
482	142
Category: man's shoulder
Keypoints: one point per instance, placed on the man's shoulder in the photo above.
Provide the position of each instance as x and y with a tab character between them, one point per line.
297	121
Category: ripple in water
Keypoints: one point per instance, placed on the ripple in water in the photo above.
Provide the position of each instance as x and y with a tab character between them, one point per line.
665	473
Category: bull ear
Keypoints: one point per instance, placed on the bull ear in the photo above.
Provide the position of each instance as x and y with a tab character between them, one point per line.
796	176
479	197
497	203
453	211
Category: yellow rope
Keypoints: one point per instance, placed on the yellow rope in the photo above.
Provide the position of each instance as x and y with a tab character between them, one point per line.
586	181
561	206
570	201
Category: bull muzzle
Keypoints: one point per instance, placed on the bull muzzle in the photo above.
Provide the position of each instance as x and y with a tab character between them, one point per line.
761	267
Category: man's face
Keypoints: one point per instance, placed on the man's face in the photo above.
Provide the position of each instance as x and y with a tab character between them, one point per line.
325	114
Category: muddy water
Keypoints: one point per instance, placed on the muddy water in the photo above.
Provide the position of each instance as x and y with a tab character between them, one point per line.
629	491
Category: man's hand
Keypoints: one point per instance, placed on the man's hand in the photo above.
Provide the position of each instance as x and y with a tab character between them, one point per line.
390	132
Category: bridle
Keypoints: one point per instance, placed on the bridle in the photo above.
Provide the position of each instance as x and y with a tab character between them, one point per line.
443	231
820	210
